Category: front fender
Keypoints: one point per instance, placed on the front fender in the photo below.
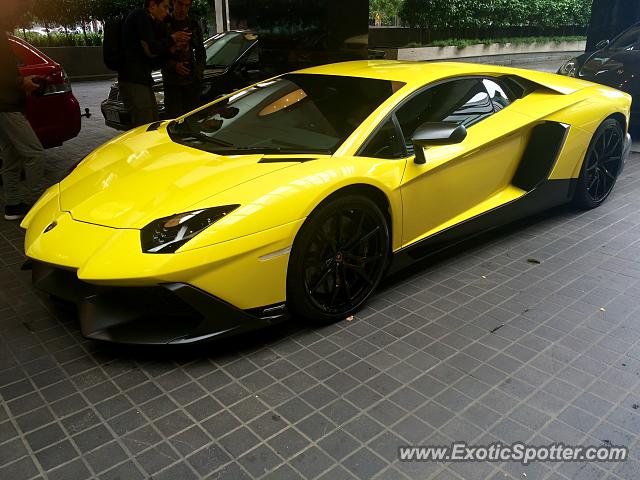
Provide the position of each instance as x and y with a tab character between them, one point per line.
291	194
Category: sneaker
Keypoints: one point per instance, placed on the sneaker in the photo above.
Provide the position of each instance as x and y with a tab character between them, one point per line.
16	212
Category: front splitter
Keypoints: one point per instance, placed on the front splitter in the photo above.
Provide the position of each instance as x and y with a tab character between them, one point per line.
172	313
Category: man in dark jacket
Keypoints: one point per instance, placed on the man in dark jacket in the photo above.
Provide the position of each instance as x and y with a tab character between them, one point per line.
182	74
19	146
146	46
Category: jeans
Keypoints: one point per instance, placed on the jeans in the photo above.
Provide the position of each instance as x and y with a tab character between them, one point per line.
140	102
20	149
180	99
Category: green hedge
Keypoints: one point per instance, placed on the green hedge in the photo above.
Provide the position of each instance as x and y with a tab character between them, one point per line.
465	14
60	39
462	43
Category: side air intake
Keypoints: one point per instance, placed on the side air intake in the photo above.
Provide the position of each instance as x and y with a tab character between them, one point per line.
541	154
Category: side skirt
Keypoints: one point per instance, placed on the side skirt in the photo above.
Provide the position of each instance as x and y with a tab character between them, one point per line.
547	194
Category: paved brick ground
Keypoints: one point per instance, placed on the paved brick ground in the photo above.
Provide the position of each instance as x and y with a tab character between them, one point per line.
423	363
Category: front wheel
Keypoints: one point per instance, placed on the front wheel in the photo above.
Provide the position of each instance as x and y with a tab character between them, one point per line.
601	165
337	259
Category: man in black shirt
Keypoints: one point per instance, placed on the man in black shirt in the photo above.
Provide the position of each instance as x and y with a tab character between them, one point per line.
146	46
19	146
182	74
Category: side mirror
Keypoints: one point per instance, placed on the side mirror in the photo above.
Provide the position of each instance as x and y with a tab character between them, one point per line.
602	44
436	133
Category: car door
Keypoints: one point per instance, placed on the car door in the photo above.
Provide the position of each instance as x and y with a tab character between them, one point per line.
463	180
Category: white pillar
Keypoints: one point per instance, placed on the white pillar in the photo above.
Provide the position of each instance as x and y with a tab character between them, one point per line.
222	15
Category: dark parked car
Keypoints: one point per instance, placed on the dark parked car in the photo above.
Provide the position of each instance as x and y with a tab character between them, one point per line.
55	113
232	63
616	64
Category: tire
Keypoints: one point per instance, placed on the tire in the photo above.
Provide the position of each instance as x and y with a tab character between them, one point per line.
338	259
601	166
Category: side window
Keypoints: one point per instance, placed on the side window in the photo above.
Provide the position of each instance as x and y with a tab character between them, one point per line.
497	94
627	40
464	102
18	53
385	143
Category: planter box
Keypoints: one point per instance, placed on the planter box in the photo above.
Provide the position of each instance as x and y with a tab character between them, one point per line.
80	62
481	51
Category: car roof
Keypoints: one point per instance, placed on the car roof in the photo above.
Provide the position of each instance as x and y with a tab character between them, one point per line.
407	72
415	74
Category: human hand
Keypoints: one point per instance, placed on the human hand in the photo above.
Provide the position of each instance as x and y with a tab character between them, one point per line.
29	85
182	68
181	37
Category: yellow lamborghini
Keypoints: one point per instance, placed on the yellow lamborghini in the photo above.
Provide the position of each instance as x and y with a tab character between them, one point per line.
295	196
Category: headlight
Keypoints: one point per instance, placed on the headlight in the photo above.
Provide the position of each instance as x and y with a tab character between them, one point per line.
570	68
167	234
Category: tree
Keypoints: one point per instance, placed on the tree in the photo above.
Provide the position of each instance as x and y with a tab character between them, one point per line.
387	9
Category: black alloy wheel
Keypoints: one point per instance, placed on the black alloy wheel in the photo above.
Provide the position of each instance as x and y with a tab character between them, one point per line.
601	165
338	259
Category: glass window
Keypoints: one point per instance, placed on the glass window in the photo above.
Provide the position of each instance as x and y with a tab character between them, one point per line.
497	94
627	40
385	143
296	113
224	48
464	102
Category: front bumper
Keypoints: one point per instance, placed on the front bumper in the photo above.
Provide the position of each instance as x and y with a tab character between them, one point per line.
223	289
174	313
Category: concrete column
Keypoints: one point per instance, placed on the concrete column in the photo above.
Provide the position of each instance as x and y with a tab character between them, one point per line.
221	12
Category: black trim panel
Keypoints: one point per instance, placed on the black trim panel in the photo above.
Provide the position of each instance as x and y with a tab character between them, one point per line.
285	160
174	313
540	156
154	126
549	194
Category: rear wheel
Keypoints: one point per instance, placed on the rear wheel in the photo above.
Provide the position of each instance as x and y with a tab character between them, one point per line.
337	259
601	165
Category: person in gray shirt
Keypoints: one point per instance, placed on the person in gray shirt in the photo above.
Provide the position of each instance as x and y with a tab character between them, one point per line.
20	148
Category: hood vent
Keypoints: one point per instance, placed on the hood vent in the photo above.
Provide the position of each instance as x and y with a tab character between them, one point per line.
285	160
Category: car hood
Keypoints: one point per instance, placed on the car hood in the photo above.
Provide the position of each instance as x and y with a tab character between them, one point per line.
610	67
141	177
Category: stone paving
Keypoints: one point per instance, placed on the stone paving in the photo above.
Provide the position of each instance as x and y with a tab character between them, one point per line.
530	333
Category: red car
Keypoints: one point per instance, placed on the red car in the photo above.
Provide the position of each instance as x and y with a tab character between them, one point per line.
54	115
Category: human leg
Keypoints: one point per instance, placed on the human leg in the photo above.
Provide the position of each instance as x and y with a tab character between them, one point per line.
21	148
140	102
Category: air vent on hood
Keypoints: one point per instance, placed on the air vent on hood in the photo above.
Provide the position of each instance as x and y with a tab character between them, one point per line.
285	160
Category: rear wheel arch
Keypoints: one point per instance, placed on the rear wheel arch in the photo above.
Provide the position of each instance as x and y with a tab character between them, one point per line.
608	158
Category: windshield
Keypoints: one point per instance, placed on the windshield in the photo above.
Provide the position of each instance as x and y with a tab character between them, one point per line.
295	113
627	40
223	49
